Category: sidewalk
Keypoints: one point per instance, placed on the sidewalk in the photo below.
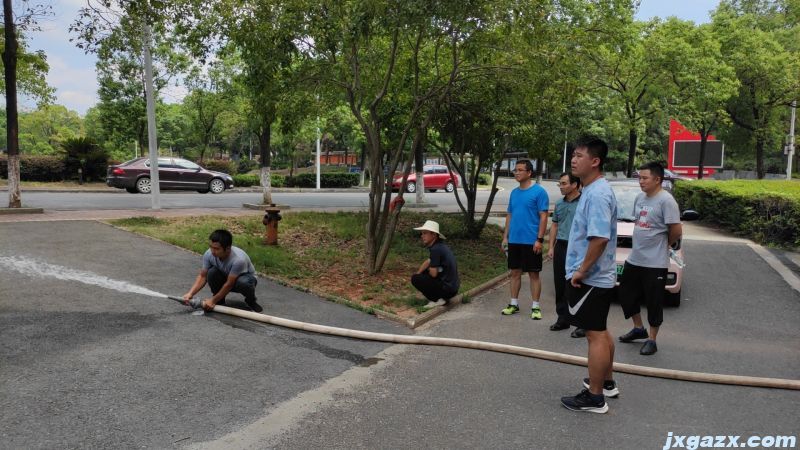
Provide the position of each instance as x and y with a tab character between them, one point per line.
110	190
109	214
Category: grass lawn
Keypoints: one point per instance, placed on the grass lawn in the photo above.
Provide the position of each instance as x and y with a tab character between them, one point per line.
60	184
324	252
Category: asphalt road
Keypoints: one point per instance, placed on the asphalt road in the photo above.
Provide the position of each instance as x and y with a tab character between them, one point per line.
739	317
88	367
308	199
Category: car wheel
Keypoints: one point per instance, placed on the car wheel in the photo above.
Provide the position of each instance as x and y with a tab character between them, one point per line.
132	190
673	300
216	186
411	187
449	187
143	185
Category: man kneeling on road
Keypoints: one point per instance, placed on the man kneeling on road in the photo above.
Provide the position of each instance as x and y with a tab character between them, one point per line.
226	269
437	277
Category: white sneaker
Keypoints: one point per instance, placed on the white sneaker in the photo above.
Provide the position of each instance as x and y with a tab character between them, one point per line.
439	302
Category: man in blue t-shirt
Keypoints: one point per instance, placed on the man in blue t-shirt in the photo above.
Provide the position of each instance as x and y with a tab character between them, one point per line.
226	268
523	236
591	273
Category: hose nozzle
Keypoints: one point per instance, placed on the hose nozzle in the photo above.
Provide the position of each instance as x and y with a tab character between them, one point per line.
194	303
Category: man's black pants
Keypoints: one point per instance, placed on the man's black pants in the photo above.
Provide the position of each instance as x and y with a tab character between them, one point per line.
245	284
431	287
559	278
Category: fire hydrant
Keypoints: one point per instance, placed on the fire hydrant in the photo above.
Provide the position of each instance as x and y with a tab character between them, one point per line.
271	219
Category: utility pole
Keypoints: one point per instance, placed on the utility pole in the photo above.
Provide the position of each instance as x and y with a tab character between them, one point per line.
564	164
155	193
790	147
318	163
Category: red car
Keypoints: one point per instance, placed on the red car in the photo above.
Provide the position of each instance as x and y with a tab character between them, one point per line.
173	174
436	176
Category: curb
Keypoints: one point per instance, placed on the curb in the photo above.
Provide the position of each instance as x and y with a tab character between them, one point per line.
23	210
71	191
296	287
234	190
435	312
411	323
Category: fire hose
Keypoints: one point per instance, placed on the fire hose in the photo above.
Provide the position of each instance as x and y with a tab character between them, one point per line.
682	375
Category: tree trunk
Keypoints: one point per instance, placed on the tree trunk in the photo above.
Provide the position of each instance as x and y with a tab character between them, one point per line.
266	161
12	121
363	166
700	164
760	154
346	155
419	164
633	136
375	161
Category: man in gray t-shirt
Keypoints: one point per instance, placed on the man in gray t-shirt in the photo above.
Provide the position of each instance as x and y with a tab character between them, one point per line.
226	269
658	226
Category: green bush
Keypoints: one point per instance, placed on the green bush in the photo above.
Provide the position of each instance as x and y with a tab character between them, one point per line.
484	179
766	211
221	165
246	180
36	167
327	180
246	165
83	152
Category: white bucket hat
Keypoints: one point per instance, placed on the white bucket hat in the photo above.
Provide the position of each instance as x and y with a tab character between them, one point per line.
432	227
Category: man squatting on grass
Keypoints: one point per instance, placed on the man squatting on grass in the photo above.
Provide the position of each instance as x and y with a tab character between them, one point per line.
564	212
658	226
523	236
227	269
437	277
591	273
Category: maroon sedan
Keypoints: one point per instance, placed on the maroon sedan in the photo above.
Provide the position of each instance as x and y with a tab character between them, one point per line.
173	174
435	176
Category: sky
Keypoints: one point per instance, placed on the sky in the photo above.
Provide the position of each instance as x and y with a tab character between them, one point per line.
72	72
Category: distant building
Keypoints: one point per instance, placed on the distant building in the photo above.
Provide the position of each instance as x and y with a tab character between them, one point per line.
337	158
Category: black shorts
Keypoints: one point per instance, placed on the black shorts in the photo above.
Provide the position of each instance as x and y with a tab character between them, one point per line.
643	285
588	305
521	256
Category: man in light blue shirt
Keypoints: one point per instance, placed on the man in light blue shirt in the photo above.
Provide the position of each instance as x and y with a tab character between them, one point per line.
591	273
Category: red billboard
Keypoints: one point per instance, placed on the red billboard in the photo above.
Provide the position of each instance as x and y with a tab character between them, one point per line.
683	153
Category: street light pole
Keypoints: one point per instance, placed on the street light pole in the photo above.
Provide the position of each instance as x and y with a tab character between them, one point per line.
790	151
318	157
155	193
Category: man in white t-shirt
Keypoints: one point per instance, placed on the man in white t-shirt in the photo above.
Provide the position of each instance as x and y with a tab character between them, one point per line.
658	226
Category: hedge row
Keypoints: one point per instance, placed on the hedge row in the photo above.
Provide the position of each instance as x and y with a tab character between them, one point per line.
36	167
327	180
766	211
246	180
307	180
221	165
